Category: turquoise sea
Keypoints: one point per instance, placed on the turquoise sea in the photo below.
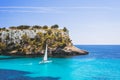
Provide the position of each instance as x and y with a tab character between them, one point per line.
102	63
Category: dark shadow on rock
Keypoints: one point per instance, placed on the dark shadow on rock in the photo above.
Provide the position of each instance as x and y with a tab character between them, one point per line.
6	74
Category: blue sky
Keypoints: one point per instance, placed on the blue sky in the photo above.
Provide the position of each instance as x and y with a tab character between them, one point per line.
89	21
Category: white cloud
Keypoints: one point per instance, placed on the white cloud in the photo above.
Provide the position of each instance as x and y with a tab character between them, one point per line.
22	11
31	9
27	9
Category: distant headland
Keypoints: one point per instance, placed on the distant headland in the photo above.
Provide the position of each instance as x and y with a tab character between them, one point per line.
31	40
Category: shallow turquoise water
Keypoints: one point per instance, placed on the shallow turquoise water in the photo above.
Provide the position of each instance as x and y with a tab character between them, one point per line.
103	63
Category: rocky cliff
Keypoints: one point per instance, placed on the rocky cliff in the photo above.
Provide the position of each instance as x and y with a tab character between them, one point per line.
27	40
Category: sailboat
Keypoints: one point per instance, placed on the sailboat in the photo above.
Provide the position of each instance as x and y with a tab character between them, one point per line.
45	58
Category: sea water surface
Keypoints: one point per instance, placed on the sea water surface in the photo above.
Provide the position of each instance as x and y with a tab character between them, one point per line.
102	63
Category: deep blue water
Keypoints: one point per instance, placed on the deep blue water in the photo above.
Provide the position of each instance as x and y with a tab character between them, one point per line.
102	63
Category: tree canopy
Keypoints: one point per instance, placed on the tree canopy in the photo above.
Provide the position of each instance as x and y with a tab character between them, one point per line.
55	26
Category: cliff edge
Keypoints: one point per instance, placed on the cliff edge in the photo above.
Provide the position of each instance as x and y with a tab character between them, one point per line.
69	51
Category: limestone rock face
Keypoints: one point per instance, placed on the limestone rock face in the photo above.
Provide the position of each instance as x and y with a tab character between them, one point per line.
76	50
69	51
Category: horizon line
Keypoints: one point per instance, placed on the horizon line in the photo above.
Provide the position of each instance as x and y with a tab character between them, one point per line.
96	44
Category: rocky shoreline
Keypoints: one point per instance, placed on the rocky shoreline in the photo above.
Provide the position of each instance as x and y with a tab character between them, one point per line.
59	52
69	51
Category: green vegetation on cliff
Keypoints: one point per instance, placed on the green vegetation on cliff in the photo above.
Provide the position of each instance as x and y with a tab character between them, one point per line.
26	39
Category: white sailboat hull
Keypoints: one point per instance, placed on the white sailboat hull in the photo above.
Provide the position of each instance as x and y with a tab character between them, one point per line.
45	61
